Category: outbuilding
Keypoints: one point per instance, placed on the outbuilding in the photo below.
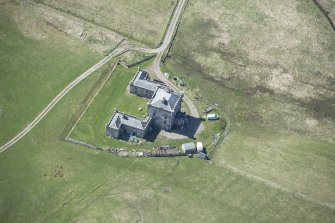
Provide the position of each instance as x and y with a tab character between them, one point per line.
202	156
188	148
199	146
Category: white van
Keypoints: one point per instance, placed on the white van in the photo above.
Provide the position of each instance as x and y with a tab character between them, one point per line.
212	117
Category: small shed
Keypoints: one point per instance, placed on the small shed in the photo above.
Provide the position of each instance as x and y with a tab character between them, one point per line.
188	148
199	146
202	156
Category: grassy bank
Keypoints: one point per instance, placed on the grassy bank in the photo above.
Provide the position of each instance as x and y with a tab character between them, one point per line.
33	71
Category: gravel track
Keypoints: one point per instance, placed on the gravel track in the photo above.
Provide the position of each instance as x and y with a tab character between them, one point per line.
116	52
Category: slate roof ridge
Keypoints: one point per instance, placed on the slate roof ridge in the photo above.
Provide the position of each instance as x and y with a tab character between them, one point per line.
180	95
144	122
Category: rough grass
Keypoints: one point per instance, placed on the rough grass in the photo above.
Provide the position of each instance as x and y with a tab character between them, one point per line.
46	180
33	72
279	66
270	67
292	160
328	6
143	21
97	38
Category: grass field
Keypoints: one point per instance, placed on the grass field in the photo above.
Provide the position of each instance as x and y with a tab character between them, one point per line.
46	180
140	20
273	135
33	71
115	94
273	74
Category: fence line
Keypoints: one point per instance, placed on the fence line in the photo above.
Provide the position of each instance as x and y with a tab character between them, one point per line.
73	141
89	104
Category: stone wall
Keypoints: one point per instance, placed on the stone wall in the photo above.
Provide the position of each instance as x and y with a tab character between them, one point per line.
160	151
142	92
112	132
178	106
161	118
130	130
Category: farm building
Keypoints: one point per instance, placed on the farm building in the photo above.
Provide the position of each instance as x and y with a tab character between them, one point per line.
122	123
163	109
189	148
200	147
202	156
142	86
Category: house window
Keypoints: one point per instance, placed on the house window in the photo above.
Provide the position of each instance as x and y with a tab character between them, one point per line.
165	116
165	122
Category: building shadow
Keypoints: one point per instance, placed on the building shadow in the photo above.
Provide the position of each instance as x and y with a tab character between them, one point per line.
152	135
190	129
125	137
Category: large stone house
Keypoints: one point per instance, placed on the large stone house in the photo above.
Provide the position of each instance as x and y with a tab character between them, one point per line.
163	108
163	111
142	86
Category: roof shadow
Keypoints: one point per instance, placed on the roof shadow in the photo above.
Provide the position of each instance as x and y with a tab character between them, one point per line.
189	130
152	135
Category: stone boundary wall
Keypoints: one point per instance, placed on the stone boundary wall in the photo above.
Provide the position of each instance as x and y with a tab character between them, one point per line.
124	64
218	138
73	141
163	151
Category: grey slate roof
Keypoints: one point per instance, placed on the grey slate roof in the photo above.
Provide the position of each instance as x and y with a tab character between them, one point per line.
165	100
202	156
119	119
141	80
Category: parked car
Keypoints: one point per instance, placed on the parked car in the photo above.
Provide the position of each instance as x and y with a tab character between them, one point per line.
212	117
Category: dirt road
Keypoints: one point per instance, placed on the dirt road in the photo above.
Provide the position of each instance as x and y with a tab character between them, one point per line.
116	52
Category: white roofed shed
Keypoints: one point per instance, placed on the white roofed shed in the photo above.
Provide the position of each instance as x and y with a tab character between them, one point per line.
199	146
188	148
